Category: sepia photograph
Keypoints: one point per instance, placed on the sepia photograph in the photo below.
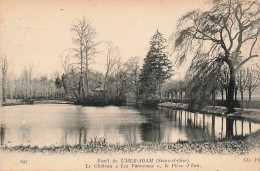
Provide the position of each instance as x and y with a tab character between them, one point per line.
130	85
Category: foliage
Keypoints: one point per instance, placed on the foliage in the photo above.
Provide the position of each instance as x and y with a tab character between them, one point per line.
156	68
105	89
150	100
97	99
27	87
70	82
218	37
203	82
4	68
58	82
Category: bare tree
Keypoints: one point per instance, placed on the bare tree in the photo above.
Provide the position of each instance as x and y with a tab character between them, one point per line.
30	74
126	76
4	76
253	82
133	71
221	35
69	78
85	50
113	59
225	79
242	82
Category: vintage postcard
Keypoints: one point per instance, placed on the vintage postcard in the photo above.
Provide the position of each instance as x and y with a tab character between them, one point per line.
130	85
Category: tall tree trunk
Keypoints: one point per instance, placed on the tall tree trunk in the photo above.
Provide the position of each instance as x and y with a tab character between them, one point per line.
136	90
222	95
86	80
81	74
181	96
213	99
105	87
242	100
3	89
158	89
235	94
249	90
226	90
231	86
171	96
249	98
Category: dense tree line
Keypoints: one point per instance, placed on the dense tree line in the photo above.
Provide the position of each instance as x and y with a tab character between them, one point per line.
27	87
247	80
4	69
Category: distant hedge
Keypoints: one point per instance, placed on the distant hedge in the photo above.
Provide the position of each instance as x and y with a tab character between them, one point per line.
98	99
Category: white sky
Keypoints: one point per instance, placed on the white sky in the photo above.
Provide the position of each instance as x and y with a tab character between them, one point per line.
37	31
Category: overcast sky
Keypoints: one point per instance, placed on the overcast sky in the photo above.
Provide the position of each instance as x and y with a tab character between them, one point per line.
38	31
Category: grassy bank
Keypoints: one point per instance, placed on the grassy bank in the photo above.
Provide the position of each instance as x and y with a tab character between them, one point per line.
14	103
53	102
247	114
37	102
100	100
236	145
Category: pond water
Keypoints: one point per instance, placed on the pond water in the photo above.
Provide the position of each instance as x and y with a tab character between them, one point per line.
47	125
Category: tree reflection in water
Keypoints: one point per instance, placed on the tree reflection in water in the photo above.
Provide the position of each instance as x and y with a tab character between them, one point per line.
2	134
196	126
76	125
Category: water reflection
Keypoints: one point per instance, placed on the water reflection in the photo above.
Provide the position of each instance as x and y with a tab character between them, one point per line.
45	125
2	134
229	127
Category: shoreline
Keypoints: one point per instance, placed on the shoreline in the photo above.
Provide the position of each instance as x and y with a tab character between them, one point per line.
234	145
226	146
252	115
15	103
37	102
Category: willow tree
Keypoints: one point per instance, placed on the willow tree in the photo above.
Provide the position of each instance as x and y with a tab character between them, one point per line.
225	35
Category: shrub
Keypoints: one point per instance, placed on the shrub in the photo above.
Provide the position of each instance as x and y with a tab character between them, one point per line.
150	100
98	99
